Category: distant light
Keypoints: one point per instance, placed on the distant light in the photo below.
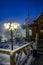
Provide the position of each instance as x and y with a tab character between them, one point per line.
41	30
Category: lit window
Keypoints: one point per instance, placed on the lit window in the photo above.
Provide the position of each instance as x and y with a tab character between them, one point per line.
30	32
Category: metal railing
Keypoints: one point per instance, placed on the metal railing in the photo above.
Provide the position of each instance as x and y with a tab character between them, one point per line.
18	51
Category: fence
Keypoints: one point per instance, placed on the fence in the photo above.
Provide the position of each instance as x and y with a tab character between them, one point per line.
23	49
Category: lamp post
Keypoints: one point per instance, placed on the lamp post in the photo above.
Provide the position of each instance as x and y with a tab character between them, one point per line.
11	39
11	27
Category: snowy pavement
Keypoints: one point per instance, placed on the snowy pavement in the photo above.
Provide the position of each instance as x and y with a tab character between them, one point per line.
4	59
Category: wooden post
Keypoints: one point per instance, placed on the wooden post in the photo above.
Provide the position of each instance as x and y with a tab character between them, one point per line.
12	60
36	40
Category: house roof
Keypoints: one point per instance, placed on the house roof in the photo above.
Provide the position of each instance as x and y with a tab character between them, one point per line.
39	17
29	20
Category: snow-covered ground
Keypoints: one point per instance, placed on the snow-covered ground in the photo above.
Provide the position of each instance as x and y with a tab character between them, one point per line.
5	59
7	45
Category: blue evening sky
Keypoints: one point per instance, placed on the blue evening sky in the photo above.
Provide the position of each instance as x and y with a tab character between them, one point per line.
17	10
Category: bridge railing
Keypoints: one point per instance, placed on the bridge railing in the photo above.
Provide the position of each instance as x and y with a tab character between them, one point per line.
16	54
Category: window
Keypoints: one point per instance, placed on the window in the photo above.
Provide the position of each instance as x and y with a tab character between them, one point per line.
30	32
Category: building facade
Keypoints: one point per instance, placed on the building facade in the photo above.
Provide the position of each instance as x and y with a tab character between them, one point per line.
36	27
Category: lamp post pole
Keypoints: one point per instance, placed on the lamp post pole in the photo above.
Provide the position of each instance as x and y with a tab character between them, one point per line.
11	39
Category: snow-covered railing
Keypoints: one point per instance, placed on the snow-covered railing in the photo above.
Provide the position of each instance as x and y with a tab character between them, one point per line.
3	51
22	47
16	54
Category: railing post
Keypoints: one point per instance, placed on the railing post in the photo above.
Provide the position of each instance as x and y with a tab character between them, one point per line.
12	60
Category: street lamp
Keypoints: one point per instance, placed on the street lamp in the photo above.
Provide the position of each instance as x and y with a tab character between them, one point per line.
11	27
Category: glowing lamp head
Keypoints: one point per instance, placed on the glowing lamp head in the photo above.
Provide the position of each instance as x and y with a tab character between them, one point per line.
11	26
6	25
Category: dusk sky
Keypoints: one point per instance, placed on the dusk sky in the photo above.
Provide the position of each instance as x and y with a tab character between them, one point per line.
17	10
